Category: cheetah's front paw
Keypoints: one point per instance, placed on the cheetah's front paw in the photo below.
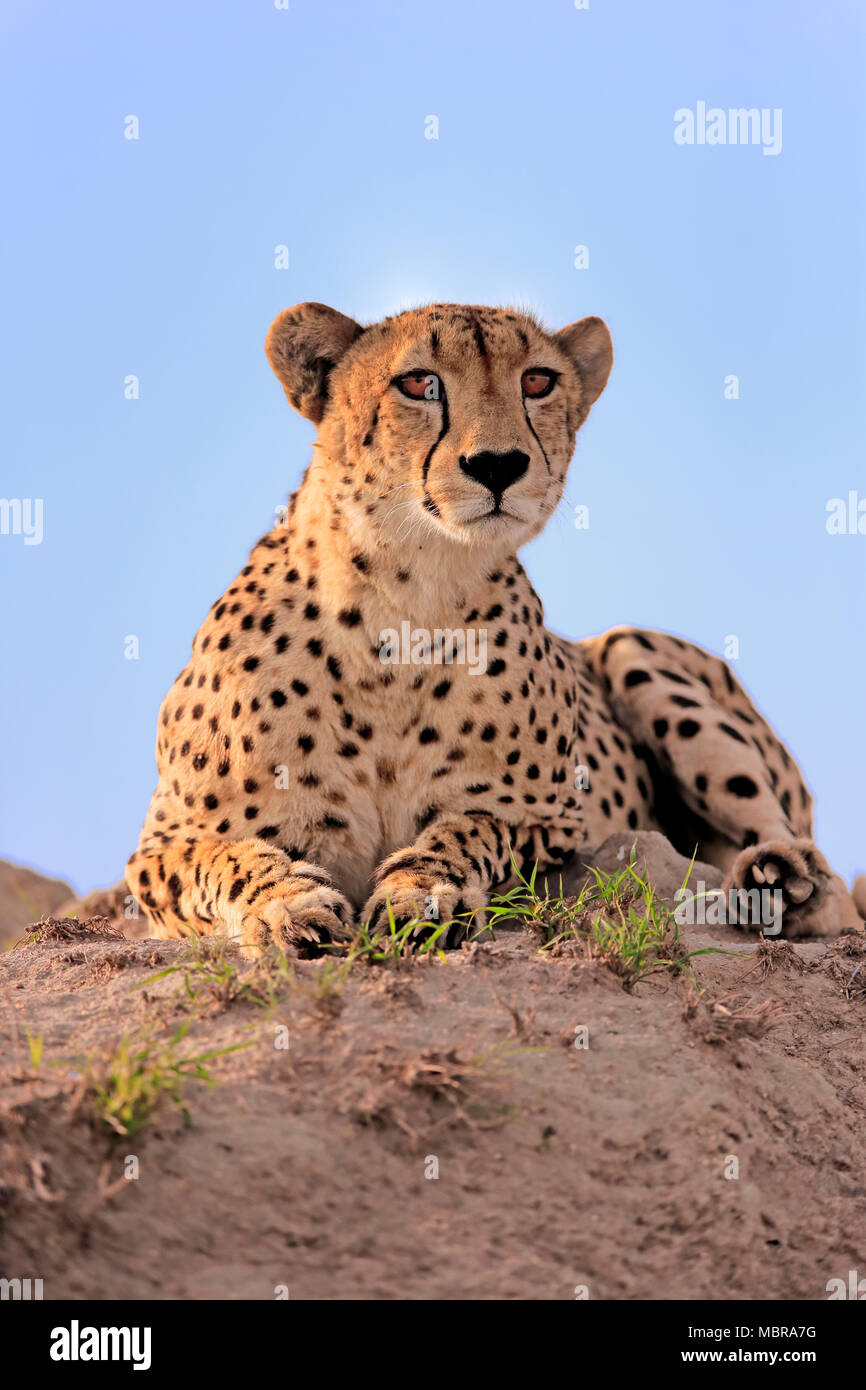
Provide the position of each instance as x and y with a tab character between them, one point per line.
815	901
429	900
302	915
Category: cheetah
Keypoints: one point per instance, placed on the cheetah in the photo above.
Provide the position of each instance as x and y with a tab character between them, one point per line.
307	783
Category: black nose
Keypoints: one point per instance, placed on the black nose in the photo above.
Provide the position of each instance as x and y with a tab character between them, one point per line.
496	471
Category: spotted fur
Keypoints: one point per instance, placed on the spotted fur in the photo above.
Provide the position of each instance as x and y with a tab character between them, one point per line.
303	783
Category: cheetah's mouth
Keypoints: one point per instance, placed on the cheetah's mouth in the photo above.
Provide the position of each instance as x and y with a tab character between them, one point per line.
494	523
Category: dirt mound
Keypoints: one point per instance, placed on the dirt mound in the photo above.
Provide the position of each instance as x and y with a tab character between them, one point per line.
500	1123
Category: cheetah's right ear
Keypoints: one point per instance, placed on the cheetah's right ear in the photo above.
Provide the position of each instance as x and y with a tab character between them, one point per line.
303	345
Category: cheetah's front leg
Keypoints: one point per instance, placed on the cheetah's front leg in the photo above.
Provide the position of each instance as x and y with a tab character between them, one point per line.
253	892
443	878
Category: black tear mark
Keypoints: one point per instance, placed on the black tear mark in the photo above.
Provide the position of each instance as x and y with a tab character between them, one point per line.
368	437
537	440
446	425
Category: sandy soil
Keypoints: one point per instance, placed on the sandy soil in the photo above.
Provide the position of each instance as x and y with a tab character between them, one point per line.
601	1168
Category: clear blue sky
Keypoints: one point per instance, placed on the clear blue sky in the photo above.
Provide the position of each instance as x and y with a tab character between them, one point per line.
260	127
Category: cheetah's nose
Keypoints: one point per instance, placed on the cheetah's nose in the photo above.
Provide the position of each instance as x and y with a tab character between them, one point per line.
496	471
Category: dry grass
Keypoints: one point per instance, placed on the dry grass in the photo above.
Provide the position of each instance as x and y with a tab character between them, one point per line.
59	929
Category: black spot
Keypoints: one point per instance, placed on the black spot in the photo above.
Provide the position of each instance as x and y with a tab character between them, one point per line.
741	786
732	733
636	677
660	727
687	728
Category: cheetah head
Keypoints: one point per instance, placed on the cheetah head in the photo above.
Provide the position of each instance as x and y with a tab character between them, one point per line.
455	418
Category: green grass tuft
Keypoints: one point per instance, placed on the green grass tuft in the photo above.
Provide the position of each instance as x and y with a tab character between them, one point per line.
617	918
125	1086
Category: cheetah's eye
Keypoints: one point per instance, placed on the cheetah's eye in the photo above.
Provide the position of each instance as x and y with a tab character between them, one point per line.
538	381
420	386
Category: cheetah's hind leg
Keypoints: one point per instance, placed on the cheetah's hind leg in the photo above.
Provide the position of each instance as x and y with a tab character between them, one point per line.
727	778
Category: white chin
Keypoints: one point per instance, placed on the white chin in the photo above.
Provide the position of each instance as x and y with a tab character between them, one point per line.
490	526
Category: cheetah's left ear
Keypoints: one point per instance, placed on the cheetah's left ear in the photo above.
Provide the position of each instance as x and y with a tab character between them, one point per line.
303	345
587	342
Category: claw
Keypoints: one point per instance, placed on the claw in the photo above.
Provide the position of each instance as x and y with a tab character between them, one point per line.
799	889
